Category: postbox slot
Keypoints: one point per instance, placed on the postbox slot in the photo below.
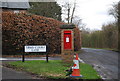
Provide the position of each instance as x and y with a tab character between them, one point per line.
67	33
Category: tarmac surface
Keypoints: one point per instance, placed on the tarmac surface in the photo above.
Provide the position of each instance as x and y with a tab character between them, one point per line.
29	58
104	61
9	73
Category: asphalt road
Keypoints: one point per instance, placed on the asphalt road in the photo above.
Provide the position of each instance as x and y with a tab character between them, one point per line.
9	73
29	58
104	61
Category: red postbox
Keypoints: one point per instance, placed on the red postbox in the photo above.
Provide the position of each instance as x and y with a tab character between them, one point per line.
67	39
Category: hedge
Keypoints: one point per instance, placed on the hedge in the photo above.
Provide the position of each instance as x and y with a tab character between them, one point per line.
23	29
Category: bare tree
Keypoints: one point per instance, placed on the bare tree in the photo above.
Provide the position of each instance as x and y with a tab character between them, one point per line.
68	7
119	26
115	10
68	12
76	20
73	11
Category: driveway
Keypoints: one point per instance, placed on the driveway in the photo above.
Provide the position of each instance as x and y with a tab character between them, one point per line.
104	61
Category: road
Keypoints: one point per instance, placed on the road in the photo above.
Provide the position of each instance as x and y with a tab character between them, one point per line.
29	58
104	61
9	73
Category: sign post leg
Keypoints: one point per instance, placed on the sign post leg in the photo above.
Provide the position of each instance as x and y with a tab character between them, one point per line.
47	52
47	57
23	57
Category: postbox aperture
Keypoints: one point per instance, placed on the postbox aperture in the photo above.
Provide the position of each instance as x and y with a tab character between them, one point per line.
68	39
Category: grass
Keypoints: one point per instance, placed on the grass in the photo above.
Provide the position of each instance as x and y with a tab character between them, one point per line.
54	69
80	51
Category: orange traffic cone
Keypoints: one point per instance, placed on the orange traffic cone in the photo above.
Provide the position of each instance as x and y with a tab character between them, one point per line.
75	68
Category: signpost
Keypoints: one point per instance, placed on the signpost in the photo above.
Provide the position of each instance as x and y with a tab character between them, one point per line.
35	48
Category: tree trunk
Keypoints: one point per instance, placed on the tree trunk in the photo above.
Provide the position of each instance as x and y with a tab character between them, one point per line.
119	26
68	15
73	12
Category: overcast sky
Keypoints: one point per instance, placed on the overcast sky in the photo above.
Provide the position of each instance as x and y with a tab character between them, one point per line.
94	13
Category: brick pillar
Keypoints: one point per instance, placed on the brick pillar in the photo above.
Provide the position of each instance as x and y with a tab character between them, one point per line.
67	43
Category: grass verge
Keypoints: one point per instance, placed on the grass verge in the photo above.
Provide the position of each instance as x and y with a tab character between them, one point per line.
54	69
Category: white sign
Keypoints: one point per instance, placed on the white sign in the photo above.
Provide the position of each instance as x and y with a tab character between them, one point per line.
35	48
67	39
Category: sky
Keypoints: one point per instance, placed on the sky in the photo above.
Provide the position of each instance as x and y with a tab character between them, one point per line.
94	13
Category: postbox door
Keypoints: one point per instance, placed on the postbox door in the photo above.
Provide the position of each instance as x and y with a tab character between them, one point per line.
67	40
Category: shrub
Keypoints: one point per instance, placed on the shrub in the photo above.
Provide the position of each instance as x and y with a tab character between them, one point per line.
23	29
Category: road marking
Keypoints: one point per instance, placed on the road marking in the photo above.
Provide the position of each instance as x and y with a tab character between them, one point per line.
81	60
98	69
